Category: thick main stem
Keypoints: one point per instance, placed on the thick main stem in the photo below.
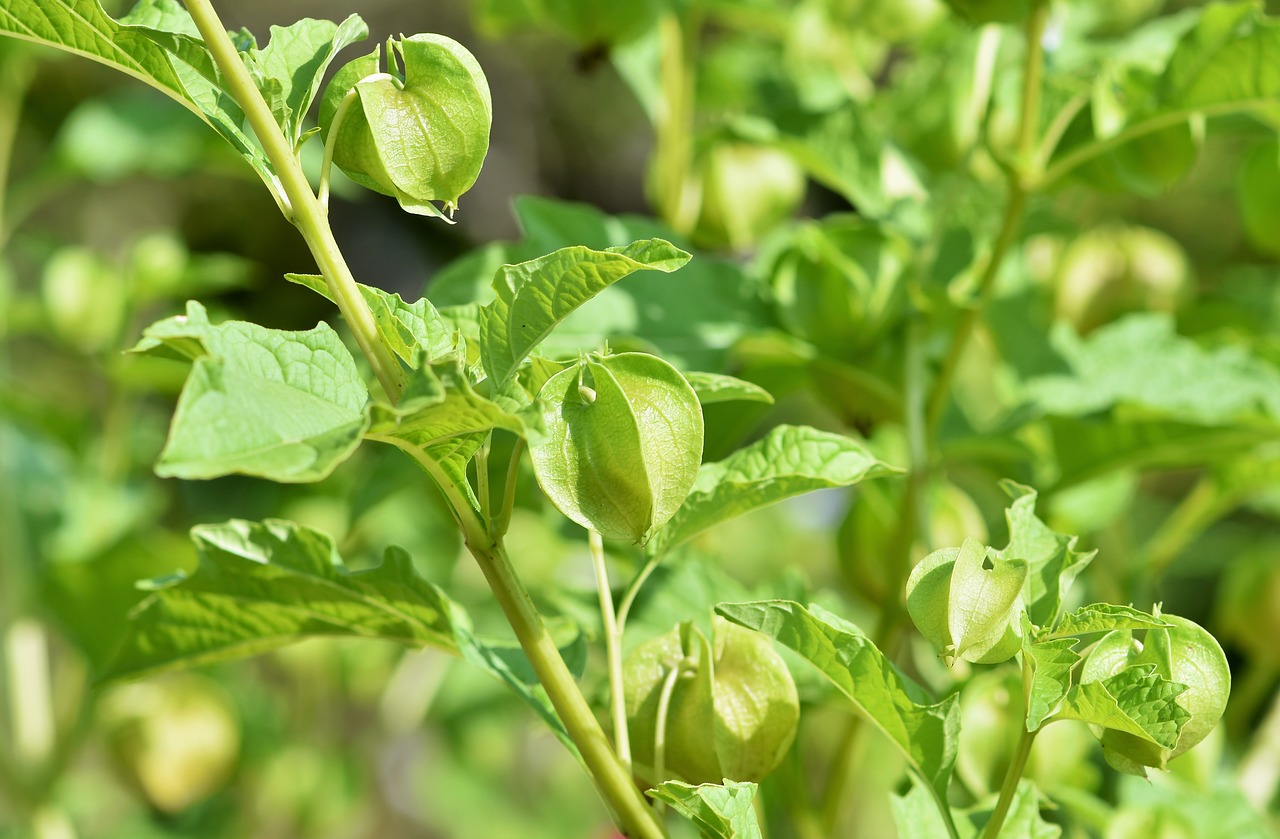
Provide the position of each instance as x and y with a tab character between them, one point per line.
306	211
612	779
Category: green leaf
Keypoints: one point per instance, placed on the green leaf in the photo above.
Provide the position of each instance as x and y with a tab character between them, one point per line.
717	811
1104	617
1136	701
1051	558
82	27
1051	663
534	296
927	734
984	599
156	43
264	585
714	387
422	139
440	405
1226	58
1088	448
1141	362
405	327
289	69
260	586
623	443
788	461
288	406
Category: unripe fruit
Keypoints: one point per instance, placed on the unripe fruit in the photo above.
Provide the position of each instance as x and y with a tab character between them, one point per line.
1185	654
732	713
623	443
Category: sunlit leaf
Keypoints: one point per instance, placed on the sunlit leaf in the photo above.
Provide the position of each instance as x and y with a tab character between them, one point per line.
288	406
532	297
717	811
788	461
926	733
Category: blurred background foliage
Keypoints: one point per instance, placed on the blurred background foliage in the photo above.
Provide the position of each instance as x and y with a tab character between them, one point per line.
835	166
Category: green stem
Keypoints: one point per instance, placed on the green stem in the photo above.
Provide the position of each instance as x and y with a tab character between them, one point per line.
1021	175
1011	779
660	724
1019	764
502	521
16	72
629	596
612	778
330	143
305	210
482	479
613	649
1076	158
30	696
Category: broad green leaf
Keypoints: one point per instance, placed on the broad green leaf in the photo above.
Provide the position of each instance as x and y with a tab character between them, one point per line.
404	326
1140	361
175	63
289	69
1104	617
263	585
788	461
260	586
1051	663
532	297
288	406
714	387
694	317
925	733
1088	448
1137	701
623	443
420	139
82	27
984	599
1226	58
717	811
1051	557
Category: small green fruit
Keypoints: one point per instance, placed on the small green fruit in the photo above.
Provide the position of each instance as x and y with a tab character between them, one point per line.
732	713
175	738
1186	654
623	443
420	139
968	603
746	191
